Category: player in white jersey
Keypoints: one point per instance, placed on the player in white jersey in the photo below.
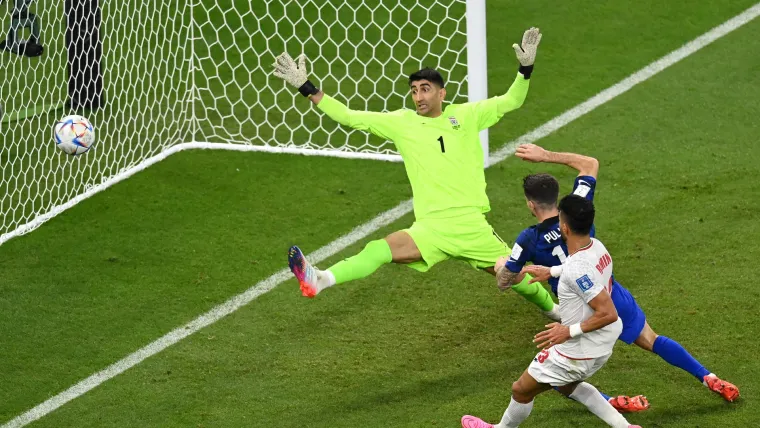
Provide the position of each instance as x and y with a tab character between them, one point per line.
578	347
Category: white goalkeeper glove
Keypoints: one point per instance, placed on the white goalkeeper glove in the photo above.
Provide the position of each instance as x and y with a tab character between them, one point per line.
526	52
295	74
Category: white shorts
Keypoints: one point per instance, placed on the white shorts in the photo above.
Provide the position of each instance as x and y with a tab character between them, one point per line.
553	368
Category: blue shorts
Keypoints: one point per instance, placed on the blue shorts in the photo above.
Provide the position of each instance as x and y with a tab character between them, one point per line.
629	312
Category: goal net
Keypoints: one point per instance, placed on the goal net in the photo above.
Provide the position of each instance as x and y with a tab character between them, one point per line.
359	51
144	68
177	75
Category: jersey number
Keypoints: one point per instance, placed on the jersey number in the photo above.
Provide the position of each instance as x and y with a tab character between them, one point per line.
557	251
440	140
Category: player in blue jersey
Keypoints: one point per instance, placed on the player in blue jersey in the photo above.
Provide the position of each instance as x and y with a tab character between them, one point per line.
542	245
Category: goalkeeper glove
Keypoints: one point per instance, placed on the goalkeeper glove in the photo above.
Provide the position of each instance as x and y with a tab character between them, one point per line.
526	53
285	68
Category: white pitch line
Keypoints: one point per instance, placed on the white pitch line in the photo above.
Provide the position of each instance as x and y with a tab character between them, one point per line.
628	83
375	224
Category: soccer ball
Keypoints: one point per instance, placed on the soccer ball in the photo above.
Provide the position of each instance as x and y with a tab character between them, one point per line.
74	135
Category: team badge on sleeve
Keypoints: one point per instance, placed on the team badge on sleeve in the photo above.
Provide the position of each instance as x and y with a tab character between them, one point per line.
582	189
516	252
584	283
454	123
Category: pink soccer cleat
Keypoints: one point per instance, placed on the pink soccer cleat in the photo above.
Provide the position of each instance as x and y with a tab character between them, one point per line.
304	272
473	422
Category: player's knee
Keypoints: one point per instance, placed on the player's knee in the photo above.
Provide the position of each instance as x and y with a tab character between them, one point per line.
402	248
518	392
516	387
566	390
646	339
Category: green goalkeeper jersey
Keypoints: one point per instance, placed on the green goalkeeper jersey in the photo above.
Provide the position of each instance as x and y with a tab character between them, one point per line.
442	156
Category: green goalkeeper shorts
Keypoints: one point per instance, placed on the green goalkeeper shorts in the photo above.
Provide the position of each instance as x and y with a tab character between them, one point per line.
468	237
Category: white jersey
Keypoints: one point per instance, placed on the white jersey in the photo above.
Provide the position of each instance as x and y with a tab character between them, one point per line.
585	274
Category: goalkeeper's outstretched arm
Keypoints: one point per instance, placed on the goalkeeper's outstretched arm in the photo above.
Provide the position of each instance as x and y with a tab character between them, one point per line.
296	75
490	111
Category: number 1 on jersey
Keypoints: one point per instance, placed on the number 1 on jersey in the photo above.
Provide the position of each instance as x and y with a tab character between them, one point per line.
440	140
557	251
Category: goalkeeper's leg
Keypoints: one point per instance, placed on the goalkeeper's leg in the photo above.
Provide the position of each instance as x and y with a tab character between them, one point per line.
535	293
397	247
483	248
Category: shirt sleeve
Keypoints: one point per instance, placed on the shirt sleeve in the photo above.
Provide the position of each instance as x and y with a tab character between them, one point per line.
380	124
585	186
487	112
522	251
580	277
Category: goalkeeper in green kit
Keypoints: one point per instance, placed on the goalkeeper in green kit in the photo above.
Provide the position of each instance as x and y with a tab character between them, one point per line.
444	162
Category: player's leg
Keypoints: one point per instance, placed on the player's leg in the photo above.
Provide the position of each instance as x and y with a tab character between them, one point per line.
398	247
520	405
482	247
675	354
633	323
524	390
420	247
588	395
414	246
570	377
624	403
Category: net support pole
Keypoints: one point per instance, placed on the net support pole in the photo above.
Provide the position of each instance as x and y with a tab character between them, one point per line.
477	63
85	49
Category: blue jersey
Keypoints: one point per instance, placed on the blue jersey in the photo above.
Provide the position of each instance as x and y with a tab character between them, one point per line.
542	244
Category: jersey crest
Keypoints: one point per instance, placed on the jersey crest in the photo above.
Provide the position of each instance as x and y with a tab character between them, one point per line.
584	283
454	123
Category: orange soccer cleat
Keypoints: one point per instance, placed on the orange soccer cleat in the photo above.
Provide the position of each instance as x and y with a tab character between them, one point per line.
626	404
727	390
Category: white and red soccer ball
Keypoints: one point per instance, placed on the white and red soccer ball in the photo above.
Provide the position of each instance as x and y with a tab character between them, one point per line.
74	135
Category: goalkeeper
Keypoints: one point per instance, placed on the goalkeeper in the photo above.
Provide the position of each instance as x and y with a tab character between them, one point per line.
444	162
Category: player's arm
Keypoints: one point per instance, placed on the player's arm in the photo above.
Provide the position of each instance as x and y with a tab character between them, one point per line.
604	314
505	278
581	280
585	165
489	112
509	270
297	76
542	273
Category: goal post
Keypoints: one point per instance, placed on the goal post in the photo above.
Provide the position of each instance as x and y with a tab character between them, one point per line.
477	62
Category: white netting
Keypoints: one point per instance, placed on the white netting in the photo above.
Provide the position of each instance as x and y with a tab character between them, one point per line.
145	80
200	71
360	52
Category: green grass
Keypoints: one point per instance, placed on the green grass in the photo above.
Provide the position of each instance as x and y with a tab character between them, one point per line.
676	203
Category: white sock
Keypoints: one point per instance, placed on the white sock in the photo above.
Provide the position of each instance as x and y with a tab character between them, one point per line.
515	414
588	395
555	310
326	279
705	382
